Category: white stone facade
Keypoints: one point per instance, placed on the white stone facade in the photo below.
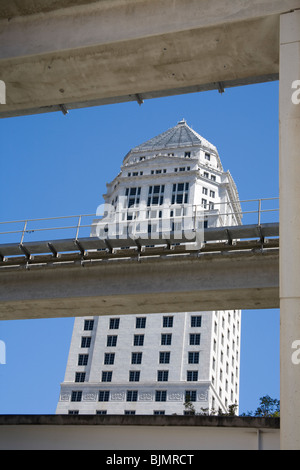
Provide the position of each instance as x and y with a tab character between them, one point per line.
150	364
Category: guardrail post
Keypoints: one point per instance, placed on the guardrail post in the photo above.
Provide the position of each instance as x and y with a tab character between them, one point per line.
259	211
78	226
23	232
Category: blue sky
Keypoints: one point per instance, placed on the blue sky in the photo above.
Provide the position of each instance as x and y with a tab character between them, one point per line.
55	165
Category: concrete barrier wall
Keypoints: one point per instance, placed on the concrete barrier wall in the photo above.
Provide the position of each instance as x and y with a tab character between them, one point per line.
114	432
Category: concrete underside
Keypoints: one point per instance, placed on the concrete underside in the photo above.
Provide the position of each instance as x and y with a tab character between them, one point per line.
219	281
86	53
112	432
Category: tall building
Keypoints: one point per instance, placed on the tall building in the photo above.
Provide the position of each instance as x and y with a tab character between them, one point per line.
155	363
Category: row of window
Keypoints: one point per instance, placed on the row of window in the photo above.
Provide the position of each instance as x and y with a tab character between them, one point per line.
136	358
207	204
134	376
126	412
187	154
211	193
140	322
132	395
180	192
138	340
159	171
206	175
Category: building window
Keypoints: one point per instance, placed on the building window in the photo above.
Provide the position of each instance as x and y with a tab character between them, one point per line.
103	395
204	191
162	375
190	395
193	357
83	359
85	341
112	340
79	376
205	174
88	325
207	156
167	322
140	322
180	193
114	323
164	357
194	339
192	375
133	196
76	395
156	195
132	395
106	376
138	340
212	193
134	376
195	321
187	154
166	339
204	203
161	395
212	177
189	413
101	412
136	358
159	412
129	412
109	358
73	412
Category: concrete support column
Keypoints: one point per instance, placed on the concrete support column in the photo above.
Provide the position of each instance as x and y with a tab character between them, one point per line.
289	117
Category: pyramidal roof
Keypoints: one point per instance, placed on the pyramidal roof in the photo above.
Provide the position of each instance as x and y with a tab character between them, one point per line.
179	136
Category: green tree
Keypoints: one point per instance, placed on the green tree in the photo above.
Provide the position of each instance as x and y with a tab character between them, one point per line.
268	408
188	406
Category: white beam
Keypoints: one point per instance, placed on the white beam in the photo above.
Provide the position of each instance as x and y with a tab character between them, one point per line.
104	52
290	229
175	284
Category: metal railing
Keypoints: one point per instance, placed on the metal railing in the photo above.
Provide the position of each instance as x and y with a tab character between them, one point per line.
253	211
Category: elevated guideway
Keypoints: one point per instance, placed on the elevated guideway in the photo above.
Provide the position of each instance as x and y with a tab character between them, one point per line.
227	267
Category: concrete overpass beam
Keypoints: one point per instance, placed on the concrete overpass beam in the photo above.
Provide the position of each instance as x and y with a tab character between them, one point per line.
177	284
125	48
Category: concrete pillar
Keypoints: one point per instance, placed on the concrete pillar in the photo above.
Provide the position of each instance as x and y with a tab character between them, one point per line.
289	119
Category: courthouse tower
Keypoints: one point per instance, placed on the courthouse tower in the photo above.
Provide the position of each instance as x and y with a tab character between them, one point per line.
154	363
